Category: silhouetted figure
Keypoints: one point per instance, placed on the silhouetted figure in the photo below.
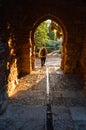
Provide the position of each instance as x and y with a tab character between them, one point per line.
43	54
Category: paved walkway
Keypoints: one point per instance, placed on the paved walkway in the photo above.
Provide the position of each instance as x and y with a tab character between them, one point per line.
27	109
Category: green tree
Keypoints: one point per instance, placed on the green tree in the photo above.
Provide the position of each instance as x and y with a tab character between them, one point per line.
51	34
41	34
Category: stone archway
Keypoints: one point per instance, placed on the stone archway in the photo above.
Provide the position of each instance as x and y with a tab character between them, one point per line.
26	48
24	25
64	30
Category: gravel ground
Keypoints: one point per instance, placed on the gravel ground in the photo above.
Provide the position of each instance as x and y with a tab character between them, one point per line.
27	105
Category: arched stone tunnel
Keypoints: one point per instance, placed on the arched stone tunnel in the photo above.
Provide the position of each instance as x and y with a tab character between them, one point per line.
18	21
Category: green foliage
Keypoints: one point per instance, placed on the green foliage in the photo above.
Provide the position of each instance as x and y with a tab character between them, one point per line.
59	51
49	49
47	33
54	45
41	34
51	34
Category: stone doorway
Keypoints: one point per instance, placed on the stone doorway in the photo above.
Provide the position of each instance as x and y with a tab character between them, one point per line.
64	36
22	56
20	34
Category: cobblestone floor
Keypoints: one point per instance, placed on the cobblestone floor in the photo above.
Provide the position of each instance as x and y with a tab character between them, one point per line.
68	102
27	105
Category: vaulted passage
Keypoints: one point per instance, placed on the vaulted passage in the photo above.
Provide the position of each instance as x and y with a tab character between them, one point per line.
19	21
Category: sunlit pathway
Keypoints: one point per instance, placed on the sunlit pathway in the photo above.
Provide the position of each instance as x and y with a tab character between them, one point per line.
27	108
31	89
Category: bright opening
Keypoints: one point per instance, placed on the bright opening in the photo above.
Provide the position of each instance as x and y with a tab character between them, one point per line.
50	34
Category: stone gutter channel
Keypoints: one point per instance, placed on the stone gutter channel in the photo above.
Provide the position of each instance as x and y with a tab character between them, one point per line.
49	119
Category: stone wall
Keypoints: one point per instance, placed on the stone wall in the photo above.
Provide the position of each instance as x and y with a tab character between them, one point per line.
83	61
4	71
12	64
25	58
20	57
33	57
24	50
72	49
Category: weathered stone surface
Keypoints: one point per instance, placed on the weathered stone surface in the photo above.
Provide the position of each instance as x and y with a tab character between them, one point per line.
27	108
19	25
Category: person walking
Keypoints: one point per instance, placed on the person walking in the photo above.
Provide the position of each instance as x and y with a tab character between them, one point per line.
43	55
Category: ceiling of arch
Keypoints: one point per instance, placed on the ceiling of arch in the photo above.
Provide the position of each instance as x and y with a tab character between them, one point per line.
24	12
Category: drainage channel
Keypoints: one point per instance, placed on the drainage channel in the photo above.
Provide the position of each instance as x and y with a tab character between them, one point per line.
49	119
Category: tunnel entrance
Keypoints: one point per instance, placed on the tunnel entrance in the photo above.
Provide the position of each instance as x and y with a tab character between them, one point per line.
49	30
30	94
23	57
51	35
27	99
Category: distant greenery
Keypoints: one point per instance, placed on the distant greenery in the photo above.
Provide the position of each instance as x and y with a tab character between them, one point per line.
51	34
41	34
44	35
54	45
